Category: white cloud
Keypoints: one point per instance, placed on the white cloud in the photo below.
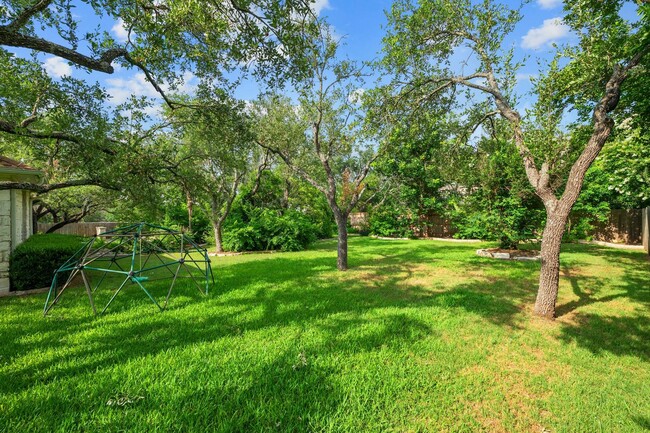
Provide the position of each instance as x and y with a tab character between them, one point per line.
121	89
318	5
153	111
549	4
551	30
522	76
356	96
57	67
120	32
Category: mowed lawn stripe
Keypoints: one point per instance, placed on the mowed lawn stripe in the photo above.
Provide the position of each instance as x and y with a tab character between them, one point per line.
416	336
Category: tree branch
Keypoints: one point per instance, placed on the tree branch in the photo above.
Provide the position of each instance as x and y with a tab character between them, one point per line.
23	131
603	125
260	169
101	64
299	171
28	13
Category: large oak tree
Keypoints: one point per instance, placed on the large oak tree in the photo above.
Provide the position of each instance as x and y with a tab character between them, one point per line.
421	52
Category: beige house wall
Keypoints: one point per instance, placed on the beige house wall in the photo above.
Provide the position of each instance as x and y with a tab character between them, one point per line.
15	227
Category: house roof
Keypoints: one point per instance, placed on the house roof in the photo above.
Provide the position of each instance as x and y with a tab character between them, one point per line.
13	164
15	171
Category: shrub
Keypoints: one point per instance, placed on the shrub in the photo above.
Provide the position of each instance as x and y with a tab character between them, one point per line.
33	263
506	219
266	229
361	229
391	222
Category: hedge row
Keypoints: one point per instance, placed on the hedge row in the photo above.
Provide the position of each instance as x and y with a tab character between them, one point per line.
32	263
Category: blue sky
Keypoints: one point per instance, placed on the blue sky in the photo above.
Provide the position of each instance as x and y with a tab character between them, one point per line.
361	22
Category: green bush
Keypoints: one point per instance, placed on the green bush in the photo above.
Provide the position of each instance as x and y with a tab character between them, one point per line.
506	219
391	222
266	229
32	263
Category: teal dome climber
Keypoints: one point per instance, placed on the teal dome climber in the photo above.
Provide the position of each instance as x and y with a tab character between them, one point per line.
137	254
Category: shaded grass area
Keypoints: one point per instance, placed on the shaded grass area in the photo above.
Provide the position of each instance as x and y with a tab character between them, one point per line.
417	336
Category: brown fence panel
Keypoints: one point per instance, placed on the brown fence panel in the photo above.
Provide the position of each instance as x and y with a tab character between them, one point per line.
358	220
430	226
438	226
622	226
434	226
80	229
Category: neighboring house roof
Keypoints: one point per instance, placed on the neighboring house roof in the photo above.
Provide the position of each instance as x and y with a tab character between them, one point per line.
12	163
13	170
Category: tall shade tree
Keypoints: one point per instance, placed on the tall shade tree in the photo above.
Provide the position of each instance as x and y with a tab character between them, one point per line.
420	46
322	140
215	153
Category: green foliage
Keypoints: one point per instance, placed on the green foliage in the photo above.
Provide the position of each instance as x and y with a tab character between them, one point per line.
498	203
391	221
216	151
279	190
33	263
254	229
626	162
176	217
505	218
594	204
361	230
313	204
412	164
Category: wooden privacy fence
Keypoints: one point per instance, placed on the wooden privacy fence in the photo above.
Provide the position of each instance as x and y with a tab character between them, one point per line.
80	229
629	226
434	226
428	226
358	220
645	226
622	226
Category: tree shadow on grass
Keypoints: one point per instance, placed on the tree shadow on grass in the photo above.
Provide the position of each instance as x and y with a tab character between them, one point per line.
286	391
624	332
642	422
126	335
302	293
254	295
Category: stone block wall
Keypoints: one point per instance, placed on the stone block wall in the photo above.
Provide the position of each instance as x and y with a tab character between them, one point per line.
5	238
15	228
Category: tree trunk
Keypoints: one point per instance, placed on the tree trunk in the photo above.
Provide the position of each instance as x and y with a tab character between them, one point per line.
285	194
218	244
190	210
34	221
342	256
62	224
549	276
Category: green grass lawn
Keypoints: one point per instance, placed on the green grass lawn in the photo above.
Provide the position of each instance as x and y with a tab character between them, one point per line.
417	336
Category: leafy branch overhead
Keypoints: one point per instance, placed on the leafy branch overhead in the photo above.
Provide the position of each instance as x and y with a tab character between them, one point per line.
206	37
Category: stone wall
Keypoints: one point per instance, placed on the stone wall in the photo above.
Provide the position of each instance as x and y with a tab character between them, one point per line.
15	228
5	239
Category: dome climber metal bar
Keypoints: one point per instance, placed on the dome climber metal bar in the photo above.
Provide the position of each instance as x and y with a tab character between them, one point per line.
137	254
